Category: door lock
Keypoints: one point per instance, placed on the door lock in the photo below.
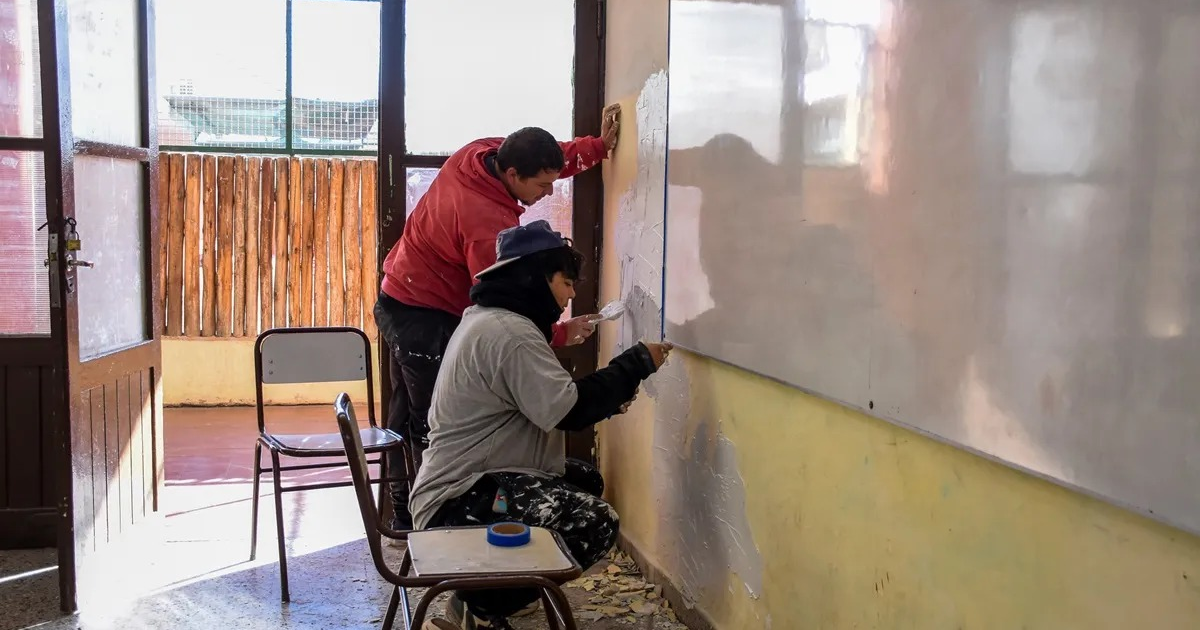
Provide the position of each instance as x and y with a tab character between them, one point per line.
51	264
73	244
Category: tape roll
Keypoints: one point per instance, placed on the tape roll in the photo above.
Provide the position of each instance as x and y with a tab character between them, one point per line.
508	534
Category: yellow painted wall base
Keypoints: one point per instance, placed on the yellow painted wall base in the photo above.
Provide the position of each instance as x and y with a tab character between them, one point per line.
221	372
866	525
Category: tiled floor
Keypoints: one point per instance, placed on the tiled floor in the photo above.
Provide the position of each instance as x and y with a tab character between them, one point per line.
191	570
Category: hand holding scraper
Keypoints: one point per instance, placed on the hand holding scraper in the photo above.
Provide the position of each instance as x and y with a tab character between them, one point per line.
611	311
582	327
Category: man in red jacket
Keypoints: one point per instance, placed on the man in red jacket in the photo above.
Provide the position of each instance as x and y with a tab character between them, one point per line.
450	237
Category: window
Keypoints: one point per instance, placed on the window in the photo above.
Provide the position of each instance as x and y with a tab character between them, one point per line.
20	74
482	85
24	290
25	305
284	76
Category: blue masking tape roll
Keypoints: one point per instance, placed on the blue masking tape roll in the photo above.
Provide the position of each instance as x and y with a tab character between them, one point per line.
508	534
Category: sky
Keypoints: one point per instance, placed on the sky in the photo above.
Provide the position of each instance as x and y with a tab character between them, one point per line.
336	48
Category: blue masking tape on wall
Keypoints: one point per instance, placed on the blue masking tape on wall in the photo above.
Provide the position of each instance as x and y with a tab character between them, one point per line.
508	534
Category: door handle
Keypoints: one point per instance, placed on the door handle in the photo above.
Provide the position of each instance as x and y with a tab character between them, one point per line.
71	262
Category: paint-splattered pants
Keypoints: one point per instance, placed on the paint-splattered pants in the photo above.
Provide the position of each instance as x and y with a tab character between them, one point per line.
570	505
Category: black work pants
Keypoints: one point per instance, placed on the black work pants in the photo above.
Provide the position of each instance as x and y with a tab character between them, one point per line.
417	339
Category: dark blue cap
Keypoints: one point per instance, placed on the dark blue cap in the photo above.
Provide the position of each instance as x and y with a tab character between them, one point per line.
523	240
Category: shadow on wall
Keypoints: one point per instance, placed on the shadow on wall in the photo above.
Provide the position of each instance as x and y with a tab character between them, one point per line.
703	528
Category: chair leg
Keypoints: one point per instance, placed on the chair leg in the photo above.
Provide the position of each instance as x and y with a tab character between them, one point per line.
390	618
254	501
410	466
427	598
283	576
551	615
383	486
562	606
405	608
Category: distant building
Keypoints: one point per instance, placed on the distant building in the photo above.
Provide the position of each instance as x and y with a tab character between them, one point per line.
205	121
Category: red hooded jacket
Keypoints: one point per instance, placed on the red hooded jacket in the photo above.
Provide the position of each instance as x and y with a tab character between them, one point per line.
451	234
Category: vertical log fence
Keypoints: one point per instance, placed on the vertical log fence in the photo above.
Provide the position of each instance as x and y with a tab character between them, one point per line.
259	242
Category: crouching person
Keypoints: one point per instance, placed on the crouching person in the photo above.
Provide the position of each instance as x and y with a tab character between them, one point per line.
500	408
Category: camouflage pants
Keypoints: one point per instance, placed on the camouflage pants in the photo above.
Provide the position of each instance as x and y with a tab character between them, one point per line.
570	505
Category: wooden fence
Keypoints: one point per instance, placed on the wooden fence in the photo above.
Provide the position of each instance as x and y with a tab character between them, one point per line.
252	243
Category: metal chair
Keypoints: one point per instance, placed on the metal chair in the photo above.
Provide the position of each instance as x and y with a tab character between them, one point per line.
456	558
313	355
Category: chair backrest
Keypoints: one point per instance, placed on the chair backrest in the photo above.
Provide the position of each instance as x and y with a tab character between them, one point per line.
293	356
360	477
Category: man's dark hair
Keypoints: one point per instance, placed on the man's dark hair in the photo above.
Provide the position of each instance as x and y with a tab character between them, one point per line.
530	150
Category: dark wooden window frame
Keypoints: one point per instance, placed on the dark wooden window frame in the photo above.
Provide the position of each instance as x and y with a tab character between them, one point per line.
587	213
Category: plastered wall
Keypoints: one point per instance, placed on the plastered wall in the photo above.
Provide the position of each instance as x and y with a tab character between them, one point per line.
769	508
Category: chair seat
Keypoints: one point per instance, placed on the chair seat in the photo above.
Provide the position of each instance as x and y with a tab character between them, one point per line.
465	551
320	444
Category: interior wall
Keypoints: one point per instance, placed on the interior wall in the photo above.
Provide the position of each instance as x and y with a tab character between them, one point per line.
220	371
770	508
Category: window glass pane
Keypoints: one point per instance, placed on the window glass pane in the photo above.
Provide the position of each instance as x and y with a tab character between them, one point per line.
112	295
20	74
464	83
556	208
416	184
24	282
335	68
221	81
105	85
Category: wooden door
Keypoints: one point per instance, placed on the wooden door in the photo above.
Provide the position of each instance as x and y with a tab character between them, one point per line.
31	346
105	221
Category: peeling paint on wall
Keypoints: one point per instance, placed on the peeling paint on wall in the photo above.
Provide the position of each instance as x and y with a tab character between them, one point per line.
641	220
701	496
696	482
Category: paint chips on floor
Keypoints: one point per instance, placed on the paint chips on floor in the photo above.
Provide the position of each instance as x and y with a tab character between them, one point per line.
619	592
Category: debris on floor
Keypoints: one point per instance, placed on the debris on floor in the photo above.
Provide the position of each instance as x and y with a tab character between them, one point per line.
613	595
619	591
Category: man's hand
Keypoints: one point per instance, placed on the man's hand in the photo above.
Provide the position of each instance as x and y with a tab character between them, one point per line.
580	328
659	352
611	124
